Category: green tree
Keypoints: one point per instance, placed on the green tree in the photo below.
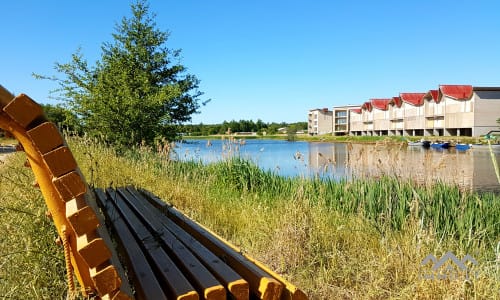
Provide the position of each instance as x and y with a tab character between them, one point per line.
64	118
273	128
138	91
291	132
259	125
234	126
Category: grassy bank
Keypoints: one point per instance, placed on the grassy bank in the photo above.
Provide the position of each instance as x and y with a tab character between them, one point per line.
347	240
343	139
303	137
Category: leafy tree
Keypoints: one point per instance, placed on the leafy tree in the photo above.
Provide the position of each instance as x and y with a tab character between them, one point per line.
259	125
62	117
273	128
243	126
234	126
301	126
138	91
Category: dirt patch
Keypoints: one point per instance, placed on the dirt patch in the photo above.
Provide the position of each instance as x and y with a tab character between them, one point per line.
5	152
3	158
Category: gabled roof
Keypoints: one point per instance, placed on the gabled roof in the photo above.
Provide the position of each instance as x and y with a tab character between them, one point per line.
396	101
415	99
432	95
381	104
367	106
457	92
356	110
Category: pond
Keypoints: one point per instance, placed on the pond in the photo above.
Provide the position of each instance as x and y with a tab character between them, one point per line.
472	169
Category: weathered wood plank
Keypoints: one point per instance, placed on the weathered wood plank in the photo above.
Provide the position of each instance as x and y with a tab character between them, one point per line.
206	284
159	223
145	282
163	265
262	284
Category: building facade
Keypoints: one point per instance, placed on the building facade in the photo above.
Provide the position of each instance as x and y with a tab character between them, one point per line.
341	119
451	110
320	121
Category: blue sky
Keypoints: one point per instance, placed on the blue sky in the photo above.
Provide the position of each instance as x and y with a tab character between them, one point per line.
272	60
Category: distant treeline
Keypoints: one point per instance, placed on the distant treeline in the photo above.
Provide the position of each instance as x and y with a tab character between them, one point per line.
67	120
233	126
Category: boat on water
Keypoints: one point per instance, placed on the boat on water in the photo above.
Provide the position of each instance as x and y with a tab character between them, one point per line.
421	143
415	144
440	145
462	147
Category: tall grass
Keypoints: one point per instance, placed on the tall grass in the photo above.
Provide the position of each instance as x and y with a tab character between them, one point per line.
359	239
31	264
348	239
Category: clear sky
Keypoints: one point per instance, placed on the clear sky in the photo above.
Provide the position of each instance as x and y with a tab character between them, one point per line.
271	59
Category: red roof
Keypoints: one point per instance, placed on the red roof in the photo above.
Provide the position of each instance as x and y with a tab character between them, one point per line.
415	99
396	101
356	110
457	92
382	104
432	95
367	106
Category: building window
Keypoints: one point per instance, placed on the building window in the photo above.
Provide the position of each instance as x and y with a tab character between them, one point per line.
341	113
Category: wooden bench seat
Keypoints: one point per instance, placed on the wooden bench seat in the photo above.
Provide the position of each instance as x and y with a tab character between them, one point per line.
171	256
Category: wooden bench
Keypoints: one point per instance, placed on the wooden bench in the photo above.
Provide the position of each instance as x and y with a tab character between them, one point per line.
166	254
171	256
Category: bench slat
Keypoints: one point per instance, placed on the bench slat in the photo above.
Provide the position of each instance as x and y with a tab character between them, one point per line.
166	269
146	285
158	222
262	284
206	284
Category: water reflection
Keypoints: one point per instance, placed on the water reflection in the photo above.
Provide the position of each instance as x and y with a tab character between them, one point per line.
470	170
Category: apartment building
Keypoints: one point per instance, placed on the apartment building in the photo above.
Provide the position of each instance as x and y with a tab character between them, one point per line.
381	120
451	110
396	116
341	119
320	121
356	121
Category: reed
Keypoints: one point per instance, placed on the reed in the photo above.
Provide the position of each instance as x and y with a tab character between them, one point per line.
357	239
494	162
362	238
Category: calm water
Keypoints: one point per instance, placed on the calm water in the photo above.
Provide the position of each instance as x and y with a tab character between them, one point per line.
470	170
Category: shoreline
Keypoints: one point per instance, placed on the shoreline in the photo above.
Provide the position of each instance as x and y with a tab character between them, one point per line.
338	139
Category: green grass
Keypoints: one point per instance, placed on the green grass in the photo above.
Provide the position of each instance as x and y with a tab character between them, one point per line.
31	264
306	137
7	141
357	239
345	138
347	240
